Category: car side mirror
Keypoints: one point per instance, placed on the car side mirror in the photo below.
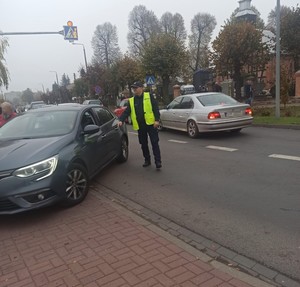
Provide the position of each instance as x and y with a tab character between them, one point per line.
91	129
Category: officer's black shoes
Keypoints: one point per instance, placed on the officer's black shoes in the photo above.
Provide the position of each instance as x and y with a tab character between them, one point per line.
158	164
146	163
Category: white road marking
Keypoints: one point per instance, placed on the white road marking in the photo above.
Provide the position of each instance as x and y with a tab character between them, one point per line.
221	148
282	156
134	133
176	141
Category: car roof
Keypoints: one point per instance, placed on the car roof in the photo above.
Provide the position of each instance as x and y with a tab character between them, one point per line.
37	102
65	107
195	95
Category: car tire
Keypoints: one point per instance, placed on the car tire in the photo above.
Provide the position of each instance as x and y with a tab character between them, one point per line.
77	185
192	129
124	151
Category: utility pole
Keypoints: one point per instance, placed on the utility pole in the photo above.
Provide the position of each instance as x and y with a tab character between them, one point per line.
84	54
56	76
277	97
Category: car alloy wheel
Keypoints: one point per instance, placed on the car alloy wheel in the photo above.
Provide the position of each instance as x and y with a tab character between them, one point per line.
192	129
123	156
77	185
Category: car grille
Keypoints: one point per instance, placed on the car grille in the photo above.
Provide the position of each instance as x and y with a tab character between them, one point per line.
7	205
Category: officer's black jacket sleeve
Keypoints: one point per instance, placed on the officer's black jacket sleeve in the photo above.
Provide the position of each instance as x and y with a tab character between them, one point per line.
126	113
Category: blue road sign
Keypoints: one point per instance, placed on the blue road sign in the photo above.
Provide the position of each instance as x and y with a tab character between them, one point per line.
98	90
150	80
70	33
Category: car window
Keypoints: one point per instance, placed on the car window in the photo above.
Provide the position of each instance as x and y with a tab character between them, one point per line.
87	119
216	99
103	115
187	103
175	104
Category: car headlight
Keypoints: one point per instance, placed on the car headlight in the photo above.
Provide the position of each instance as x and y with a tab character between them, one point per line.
43	168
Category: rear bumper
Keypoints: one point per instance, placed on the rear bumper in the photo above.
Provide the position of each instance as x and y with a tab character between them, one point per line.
215	125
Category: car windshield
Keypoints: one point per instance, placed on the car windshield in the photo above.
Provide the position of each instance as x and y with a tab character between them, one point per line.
39	124
216	100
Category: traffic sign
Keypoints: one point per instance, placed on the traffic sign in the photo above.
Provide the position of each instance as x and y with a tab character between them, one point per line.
150	80
70	33
98	90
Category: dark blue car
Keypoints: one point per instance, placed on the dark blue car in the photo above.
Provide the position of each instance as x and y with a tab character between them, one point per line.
49	155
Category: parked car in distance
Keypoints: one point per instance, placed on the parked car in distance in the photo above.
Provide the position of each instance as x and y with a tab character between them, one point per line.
93	102
121	108
49	155
187	89
205	112
35	105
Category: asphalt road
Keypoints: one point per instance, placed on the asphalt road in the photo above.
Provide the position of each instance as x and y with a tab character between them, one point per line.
239	190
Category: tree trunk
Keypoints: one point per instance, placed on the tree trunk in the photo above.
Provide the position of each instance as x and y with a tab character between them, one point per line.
238	82
165	90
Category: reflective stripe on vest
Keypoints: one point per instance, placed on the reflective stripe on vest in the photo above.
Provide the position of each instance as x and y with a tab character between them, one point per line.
148	112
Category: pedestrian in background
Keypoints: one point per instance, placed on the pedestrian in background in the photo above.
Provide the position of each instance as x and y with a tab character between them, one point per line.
248	92
7	113
144	112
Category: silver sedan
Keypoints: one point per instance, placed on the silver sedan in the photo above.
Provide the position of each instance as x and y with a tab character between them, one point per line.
205	112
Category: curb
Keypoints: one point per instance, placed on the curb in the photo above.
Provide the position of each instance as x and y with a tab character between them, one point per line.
291	127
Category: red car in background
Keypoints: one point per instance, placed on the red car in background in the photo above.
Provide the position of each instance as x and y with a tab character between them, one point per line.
121	108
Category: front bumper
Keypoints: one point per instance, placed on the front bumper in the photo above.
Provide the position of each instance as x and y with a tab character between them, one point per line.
19	194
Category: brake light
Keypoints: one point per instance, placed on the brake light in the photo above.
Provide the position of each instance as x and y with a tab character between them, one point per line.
214	115
248	111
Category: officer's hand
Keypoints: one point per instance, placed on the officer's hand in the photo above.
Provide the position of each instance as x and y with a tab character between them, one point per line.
120	123
156	124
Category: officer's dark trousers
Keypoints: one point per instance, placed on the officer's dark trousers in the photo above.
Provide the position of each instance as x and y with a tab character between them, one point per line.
143	140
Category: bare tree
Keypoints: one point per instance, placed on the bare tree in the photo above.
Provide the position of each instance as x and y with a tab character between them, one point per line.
142	25
105	45
173	25
202	26
284	11
4	77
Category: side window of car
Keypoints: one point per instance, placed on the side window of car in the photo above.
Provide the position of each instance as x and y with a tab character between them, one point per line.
87	119
103	115
175	104
187	103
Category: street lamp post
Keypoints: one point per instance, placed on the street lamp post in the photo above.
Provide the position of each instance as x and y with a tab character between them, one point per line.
86	68
277	97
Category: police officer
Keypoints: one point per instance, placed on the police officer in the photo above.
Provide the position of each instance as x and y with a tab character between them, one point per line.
144	113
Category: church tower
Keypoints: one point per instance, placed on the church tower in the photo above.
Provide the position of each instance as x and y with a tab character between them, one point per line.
245	12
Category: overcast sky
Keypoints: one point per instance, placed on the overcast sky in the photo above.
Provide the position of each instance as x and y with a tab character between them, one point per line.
30	58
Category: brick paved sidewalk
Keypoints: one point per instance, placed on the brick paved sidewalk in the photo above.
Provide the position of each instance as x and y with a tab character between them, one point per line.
99	243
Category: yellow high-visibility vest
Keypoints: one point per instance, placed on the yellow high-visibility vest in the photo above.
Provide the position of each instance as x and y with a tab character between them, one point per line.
148	112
